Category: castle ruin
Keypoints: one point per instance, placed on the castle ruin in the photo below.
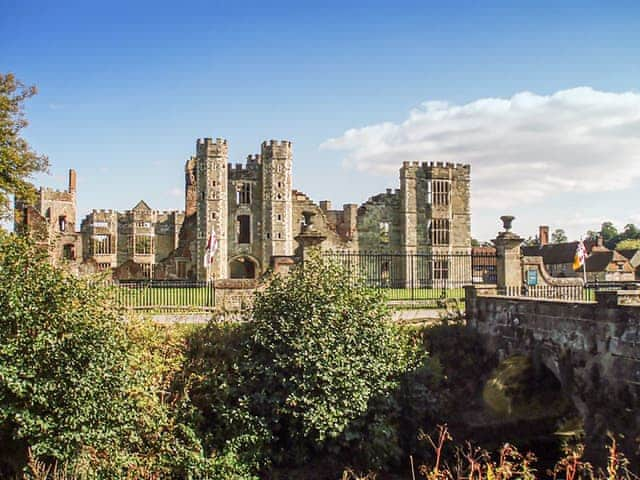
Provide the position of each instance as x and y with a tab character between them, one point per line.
256	215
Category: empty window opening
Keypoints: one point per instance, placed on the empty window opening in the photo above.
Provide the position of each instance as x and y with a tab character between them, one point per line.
441	269
384	232
439	192
182	270
144	245
440	231
62	223
101	244
244	229
244	194
242	267
69	252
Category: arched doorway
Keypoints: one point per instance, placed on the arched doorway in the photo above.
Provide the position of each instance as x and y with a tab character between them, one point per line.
243	267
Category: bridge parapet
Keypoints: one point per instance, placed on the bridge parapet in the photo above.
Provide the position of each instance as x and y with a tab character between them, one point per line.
593	348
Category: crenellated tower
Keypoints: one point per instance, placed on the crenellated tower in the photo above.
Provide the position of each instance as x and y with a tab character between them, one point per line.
212	210
277	211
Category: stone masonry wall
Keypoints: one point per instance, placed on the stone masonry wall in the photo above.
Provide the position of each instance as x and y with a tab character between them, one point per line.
591	347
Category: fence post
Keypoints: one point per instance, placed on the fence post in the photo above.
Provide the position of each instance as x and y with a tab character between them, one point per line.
508	262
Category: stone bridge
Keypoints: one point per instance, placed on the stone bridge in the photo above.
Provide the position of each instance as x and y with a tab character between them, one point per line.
593	349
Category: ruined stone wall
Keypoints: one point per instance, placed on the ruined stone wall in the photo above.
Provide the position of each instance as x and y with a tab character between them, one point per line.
51	222
322	223
110	238
379	224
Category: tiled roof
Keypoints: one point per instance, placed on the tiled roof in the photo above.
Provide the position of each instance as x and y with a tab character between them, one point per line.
553	253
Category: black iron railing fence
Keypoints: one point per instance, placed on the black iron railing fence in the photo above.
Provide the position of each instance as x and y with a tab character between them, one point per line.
166	295
419	276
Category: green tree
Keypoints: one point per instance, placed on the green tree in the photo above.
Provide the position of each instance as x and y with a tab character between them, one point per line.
628	244
17	160
314	374
532	241
558	236
76	391
631	232
609	234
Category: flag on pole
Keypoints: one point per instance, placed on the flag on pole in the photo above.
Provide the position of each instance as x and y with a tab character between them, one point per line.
580	257
212	246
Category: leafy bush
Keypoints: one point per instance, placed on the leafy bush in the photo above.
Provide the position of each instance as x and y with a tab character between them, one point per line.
314	374
76	391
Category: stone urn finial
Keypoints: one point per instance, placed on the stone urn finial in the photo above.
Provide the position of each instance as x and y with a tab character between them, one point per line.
507	220
308	221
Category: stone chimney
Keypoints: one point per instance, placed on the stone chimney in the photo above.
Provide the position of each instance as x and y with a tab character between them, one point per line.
73	178
543	235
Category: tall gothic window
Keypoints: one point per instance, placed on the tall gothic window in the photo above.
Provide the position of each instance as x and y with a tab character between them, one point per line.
101	244
439	192
144	245
440	231
244	194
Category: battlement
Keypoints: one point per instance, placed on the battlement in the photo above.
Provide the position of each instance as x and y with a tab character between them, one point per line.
255	159
207	146
448	165
428	165
55	193
275	148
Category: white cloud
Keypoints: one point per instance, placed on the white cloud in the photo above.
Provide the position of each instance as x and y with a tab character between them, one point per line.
522	149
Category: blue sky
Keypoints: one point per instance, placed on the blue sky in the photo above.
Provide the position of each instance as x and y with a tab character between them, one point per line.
127	87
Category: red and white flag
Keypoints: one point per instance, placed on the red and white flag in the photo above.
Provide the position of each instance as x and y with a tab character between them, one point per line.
580	256
212	246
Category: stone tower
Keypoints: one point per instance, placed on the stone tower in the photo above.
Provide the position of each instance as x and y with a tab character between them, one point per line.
277	208
212	209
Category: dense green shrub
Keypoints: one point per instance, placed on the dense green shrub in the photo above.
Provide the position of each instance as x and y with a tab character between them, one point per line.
77	391
315	373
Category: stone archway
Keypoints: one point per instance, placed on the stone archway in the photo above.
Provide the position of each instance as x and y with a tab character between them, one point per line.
243	266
